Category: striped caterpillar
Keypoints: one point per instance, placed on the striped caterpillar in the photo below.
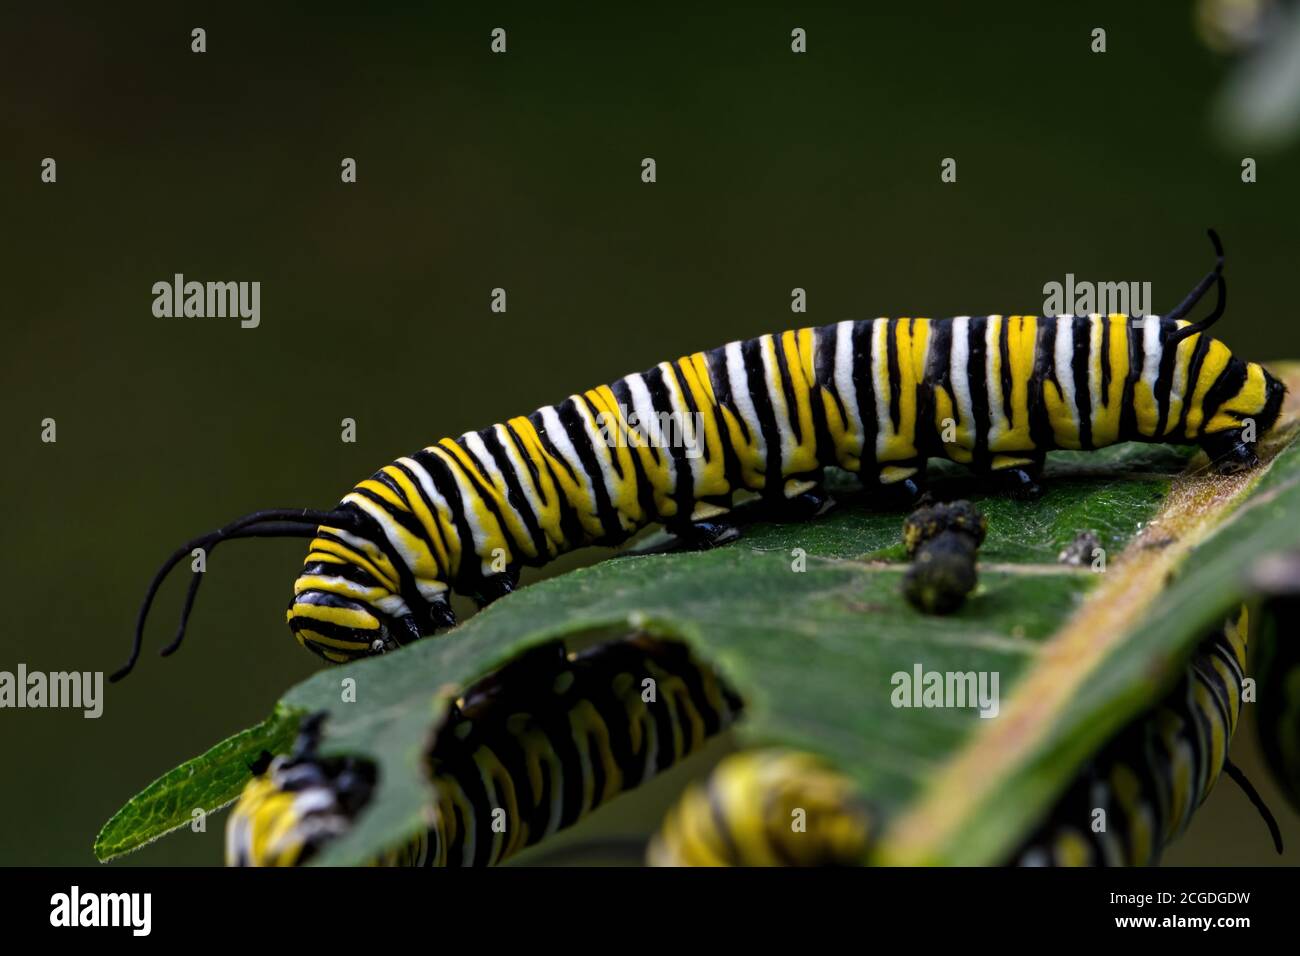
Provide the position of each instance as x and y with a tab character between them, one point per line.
768	415
552	736
525	753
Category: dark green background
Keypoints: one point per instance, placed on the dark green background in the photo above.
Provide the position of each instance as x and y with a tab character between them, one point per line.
521	171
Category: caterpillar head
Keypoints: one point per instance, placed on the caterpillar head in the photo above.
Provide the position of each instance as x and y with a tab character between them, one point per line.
1240	408
341	611
296	803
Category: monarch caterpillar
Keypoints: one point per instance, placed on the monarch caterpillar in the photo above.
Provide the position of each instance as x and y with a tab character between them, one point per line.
766	808
1277	577
1149	780
875	397
525	753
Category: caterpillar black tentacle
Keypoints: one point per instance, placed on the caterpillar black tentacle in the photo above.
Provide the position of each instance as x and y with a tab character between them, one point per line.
673	444
523	754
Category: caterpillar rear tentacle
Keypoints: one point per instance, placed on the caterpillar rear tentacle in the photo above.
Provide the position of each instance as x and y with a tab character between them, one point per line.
673	444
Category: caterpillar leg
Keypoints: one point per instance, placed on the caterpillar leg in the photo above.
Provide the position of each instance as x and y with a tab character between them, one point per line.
896	485
1229	452
1018	474
766	808
798	499
708	526
496	586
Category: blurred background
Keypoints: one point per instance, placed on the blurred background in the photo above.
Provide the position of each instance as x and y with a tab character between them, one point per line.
522	171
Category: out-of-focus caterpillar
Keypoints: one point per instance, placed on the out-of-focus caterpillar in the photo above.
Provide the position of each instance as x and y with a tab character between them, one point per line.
527	752
1140	791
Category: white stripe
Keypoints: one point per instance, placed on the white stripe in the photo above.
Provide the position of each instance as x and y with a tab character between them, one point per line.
880	377
560	439
683	420
1152	349
647	415
776	395
738	382
993	383
1063	357
959	373
450	536
1098	400
392	531
844	386
478	534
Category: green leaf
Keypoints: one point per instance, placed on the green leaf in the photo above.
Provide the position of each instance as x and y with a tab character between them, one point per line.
207	782
813	651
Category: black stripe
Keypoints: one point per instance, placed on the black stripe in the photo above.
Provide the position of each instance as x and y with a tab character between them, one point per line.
348	571
715	361
371	531
929	438
1128	423
515	495
1227	385
570	521
644	488
1193	373
1163	388
977	380
683	475
865	386
1004	366
576	429
787	388
404	519
756	381
895	375
468	573
1080	362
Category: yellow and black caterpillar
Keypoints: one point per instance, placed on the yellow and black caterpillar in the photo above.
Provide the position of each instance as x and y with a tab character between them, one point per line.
535	747
525	753
768	415
1139	793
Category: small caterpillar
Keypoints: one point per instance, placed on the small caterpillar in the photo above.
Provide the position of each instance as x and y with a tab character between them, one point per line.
766	808
1149	780
768	415
526	753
